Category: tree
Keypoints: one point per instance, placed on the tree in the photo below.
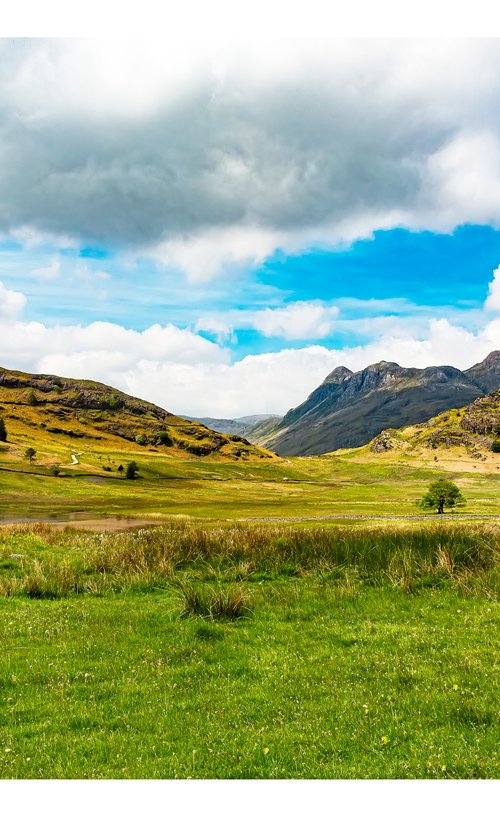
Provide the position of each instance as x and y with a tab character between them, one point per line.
3	431
495	445
120	468
30	454
443	493
131	470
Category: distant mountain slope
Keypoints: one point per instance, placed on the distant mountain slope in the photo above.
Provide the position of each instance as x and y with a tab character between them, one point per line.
239	425
350	408
49	407
472	428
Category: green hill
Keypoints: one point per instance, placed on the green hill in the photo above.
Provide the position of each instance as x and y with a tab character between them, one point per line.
468	431
56	415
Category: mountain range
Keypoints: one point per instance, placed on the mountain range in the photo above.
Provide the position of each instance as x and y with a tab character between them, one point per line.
252	425
351	408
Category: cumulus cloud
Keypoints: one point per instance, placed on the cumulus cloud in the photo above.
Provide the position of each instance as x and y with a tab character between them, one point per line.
301	320
493	300
12	304
208	158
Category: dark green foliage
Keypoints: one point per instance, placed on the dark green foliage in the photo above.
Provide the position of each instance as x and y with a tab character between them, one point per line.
30	454
495	446
131	470
443	493
120	468
32	401
55	470
164	438
3	431
141	439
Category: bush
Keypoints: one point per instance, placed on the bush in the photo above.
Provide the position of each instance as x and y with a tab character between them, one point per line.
164	438
32	401
495	446
3	431
141	439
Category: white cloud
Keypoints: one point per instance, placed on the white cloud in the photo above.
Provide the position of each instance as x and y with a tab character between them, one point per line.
12	304
296	321
493	300
50	272
302	320
202	256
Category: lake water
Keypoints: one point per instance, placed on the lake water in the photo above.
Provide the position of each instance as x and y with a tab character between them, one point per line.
87	521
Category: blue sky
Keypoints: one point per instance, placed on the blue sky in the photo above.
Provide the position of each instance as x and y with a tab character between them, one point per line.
397	272
215	229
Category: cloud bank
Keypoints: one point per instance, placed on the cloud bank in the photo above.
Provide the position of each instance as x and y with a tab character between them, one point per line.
189	374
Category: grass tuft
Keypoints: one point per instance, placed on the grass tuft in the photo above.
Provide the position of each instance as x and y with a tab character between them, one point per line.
214	603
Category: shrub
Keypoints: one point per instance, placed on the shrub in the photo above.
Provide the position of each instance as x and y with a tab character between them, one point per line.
3	431
32	401
164	438
495	446
141	439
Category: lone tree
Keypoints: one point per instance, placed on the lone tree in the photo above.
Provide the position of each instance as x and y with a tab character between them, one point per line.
131	470
443	493
3	431
30	454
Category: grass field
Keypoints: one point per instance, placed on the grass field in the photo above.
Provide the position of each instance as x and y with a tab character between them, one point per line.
334	652
303	487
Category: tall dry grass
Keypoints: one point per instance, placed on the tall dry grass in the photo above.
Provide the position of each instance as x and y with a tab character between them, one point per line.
75	562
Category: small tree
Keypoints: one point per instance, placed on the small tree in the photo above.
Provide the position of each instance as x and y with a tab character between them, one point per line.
495	446
443	493
32	398
3	431
131	470
30	454
120	469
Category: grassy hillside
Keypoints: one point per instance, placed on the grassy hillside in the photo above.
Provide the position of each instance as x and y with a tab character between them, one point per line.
61	417
466	433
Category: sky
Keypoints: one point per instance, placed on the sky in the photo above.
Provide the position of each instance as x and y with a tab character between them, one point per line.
214	226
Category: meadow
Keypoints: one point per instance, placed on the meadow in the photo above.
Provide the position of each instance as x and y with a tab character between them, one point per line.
242	650
301	488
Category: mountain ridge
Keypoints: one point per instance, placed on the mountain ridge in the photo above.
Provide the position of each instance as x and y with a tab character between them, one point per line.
349	408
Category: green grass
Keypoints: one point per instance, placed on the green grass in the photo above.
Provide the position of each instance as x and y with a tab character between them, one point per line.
360	653
315	487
